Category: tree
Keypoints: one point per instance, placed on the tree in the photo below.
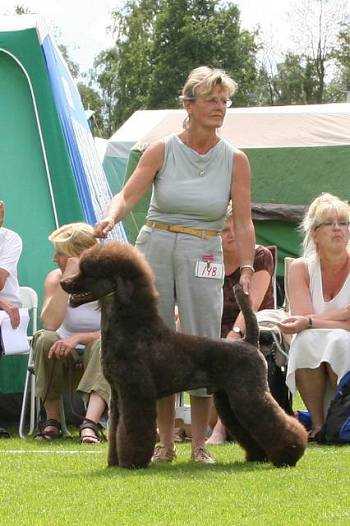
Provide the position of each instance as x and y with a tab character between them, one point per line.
342	55
308	73
92	100
316	25
159	41
22	10
130	61
72	66
191	33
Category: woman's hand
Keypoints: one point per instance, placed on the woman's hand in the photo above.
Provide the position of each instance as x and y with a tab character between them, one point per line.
12	312
233	336
294	324
103	227
61	349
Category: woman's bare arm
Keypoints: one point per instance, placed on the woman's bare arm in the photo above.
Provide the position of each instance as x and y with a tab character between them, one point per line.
149	164
55	301
241	212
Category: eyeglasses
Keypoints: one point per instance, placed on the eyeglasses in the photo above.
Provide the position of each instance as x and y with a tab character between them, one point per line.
334	224
213	101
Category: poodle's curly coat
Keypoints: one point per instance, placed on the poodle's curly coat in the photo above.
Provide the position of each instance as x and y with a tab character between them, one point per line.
143	360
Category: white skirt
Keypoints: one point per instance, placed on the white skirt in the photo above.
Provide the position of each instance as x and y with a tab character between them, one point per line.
311	347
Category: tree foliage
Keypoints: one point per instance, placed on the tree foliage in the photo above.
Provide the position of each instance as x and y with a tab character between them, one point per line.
309	74
159	41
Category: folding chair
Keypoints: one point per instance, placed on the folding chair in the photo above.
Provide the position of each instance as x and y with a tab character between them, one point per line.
29	300
273	249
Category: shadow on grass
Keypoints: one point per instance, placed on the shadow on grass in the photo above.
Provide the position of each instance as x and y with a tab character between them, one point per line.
174	471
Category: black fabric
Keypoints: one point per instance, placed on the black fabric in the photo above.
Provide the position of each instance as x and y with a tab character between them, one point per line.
336	429
276	373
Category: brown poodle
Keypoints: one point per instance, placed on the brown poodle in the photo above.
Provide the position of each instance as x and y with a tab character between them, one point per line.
143	360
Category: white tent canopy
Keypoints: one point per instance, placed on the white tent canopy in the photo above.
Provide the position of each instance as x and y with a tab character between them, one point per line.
261	127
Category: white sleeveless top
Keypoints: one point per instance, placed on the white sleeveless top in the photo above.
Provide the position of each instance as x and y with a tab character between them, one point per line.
86	318
320	305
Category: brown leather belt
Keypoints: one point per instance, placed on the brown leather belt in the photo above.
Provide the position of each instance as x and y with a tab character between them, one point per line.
179	229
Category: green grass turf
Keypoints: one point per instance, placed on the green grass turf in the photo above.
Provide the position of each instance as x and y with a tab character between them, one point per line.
64	483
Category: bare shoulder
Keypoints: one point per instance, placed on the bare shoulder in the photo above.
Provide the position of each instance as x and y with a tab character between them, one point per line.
153	154
53	278
241	163
298	268
240	156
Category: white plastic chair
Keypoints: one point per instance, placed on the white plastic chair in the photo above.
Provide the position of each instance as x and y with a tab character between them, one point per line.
29	300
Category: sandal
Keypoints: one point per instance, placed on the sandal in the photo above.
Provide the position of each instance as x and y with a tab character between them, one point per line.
95	437
4	433
49	434
313	436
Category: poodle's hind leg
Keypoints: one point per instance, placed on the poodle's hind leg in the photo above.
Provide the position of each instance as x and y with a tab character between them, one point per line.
254	453
112	429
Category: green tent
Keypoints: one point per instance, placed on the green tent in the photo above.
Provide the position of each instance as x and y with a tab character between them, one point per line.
296	152
50	171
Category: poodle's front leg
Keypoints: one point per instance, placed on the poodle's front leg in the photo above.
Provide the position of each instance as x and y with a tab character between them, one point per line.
136	433
112	429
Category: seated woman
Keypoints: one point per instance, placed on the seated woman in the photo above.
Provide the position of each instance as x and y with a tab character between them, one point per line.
232	322
319	287
65	329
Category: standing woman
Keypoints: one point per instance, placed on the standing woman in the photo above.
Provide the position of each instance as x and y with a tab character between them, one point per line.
319	285
194	175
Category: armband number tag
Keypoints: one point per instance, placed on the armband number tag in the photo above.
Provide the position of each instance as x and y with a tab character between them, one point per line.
207	269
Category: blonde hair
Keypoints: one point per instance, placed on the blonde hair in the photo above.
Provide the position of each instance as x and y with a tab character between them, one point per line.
72	239
317	212
204	79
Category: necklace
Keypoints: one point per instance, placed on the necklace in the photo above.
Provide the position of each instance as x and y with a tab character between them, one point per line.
200	161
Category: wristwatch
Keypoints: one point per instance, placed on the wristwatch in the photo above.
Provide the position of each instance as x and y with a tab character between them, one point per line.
237	330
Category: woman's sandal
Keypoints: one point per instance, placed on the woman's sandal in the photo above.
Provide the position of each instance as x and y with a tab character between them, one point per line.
313	436
49	434
96	437
4	433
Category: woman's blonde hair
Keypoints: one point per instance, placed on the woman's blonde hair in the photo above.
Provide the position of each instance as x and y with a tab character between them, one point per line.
204	79
317	212
70	240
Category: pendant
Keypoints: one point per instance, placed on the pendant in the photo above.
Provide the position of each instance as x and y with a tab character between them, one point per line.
202	172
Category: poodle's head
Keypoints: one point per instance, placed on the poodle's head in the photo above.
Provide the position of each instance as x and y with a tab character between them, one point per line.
111	268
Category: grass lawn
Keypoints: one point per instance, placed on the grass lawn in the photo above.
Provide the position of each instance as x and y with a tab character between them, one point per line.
66	483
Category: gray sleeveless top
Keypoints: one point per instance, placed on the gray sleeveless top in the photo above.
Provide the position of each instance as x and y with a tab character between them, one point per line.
192	189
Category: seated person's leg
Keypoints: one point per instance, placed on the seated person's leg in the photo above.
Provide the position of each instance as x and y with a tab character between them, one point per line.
311	384
96	393
50	380
218	433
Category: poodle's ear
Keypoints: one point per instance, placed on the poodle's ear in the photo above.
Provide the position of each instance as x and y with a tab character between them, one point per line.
125	290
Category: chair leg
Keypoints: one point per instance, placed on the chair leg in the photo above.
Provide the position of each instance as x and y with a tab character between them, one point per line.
26	395
64	427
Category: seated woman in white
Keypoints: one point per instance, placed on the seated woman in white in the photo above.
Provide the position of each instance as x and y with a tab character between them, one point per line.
319	285
66	330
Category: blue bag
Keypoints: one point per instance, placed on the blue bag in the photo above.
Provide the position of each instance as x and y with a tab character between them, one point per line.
336	429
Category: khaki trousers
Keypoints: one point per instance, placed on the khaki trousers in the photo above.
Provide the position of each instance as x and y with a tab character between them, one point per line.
52	377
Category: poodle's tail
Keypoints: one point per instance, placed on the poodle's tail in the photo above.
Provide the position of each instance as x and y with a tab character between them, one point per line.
252	328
